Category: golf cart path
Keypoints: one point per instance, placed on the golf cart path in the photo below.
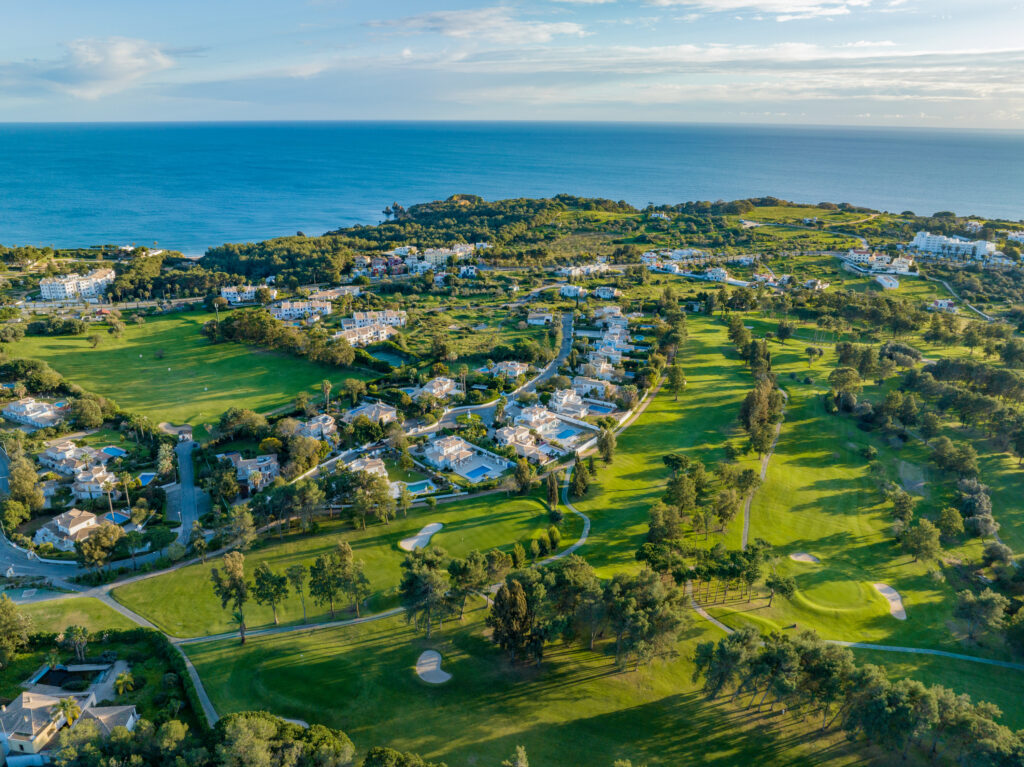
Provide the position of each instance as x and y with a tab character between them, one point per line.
764	471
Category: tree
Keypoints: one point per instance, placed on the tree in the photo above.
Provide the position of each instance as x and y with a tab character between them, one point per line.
67	708
469	577
781	584
510	618
268	588
606	444
551	485
423	591
124	682
355	389
380	756
325	387
579	482
296	575
844	380
23	482
525	475
86	413
351	579
951	522
518	759
14	630
922	541
95	550
241	530
14	513
78	638
231	587
404	500
981	612
675	381
197	540
325	580
930	426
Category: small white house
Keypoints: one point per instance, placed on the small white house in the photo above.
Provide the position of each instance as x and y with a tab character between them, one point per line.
572	291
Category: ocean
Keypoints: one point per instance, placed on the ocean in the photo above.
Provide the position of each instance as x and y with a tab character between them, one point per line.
192	186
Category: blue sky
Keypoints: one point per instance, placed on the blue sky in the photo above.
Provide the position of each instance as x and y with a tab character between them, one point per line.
942	63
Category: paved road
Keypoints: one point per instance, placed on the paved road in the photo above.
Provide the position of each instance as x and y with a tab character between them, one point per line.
192	502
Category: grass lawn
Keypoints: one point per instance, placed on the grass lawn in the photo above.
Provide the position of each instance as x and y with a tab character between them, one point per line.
56	615
576	709
193	381
397	474
182	602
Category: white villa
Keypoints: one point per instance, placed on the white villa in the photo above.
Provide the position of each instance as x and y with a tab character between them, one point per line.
369	465
295	310
440	387
319	427
586	386
947	305
539	318
572	291
65	530
367	334
717	274
568	402
333	294
510	368
30	723
32	412
244	294
256	472
377	412
75	285
457	455
468	270
69	459
521	439
90	483
599	367
536	417
607	292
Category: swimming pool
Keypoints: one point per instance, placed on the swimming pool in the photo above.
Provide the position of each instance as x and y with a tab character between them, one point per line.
423	486
146	477
62	403
478	472
114	452
117	517
598	409
566	434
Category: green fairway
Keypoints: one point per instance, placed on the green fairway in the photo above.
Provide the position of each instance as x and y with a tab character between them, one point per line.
576	709
699	424
166	370
182	602
56	615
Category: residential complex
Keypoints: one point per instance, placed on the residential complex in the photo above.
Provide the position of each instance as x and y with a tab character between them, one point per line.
244	294
296	310
395	319
961	247
69	286
367	334
32	412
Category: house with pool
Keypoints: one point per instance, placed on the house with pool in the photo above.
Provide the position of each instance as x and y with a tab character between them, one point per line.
67	529
93	483
565	432
377	412
465	459
31	412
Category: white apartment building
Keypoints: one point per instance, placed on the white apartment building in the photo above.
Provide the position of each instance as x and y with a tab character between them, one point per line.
395	319
75	285
717	274
366	335
295	310
941	245
244	294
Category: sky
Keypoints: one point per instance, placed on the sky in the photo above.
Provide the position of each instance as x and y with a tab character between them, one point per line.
938	63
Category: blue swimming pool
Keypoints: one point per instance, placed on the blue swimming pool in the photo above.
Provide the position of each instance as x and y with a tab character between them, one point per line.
599	408
114	452
62	403
478	472
424	486
117	517
146	477
566	434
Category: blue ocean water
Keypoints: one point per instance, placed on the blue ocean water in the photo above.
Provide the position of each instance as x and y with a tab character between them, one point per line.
192	186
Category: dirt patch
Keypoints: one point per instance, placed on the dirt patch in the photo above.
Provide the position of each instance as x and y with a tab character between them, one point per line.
912	478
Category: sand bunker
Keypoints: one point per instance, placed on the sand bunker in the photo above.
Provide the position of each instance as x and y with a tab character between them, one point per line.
803	556
895	602
421	539
428	668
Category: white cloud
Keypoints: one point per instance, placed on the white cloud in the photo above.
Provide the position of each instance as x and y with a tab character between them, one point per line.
90	68
493	25
782	10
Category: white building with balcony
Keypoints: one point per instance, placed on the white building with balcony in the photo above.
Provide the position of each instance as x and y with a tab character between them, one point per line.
68	286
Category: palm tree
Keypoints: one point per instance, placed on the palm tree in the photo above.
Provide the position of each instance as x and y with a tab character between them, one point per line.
53	657
326	387
125	478
108	488
125	682
69	708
